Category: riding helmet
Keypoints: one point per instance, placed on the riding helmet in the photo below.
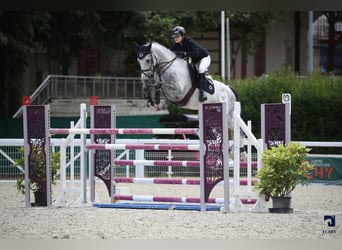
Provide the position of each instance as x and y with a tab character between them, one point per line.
178	31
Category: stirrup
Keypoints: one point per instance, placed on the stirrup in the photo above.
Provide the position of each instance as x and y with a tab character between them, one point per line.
202	98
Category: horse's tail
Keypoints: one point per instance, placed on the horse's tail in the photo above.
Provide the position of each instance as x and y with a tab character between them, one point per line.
235	93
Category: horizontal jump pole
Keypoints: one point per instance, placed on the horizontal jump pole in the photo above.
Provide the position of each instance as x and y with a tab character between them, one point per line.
169	181
149	198
126	131
158	163
172	163
194	147
159	206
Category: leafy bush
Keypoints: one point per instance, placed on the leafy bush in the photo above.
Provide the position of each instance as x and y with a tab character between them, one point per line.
284	167
316	103
37	160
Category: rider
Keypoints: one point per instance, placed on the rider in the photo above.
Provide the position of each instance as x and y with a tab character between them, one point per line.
187	47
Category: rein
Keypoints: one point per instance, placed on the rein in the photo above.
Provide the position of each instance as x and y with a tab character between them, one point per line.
160	69
154	67
166	66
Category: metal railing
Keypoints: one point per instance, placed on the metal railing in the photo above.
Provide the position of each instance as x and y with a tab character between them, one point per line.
65	86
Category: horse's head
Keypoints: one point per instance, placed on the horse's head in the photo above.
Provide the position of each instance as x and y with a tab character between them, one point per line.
155	61
147	68
145	59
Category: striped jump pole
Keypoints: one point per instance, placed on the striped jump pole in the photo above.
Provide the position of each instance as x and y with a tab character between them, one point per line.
158	163
173	163
143	147
169	181
124	131
150	198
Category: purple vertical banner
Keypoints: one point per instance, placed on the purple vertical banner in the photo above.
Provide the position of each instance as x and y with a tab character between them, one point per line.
103	158
36	140
274	119
213	141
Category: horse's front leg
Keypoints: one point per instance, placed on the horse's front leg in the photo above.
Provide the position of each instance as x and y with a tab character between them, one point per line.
147	88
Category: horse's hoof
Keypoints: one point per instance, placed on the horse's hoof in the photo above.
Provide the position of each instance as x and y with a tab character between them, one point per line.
149	104
160	107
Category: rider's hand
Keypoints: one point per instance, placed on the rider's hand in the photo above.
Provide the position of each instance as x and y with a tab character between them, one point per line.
181	54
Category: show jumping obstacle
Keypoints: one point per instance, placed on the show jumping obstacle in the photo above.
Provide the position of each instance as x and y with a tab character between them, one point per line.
209	147
159	162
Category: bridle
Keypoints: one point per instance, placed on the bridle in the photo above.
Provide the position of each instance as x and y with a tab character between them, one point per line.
153	85
153	88
159	68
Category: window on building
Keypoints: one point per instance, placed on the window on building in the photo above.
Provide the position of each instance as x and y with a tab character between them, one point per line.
328	43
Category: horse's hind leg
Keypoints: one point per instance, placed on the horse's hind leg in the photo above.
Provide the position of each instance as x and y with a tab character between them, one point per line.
243	154
231	146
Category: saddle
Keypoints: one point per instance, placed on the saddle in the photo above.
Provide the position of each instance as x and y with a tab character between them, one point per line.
208	86
194	75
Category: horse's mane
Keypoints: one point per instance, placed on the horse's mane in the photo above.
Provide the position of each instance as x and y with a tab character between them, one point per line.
162	48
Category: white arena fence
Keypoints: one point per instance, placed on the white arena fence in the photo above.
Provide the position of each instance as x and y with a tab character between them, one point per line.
10	151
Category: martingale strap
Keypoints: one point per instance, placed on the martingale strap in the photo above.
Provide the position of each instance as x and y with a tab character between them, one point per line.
186	98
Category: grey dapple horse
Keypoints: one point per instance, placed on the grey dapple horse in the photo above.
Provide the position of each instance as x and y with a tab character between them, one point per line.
161	69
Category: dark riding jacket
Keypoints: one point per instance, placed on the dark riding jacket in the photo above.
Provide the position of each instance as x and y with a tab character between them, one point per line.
191	49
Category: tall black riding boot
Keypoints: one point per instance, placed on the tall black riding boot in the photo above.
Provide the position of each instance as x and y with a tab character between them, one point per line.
202	97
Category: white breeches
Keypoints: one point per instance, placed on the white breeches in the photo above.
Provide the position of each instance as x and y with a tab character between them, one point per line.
203	65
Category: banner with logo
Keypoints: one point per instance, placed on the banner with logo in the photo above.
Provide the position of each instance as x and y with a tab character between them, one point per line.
327	168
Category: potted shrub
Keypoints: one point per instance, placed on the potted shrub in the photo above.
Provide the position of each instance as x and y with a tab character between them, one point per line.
39	161
284	168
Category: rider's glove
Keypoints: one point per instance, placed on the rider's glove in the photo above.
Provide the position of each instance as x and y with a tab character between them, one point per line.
181	54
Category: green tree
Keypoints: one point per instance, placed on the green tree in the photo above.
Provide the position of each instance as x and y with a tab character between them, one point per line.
17	41
120	30
159	24
247	28
68	32
63	34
